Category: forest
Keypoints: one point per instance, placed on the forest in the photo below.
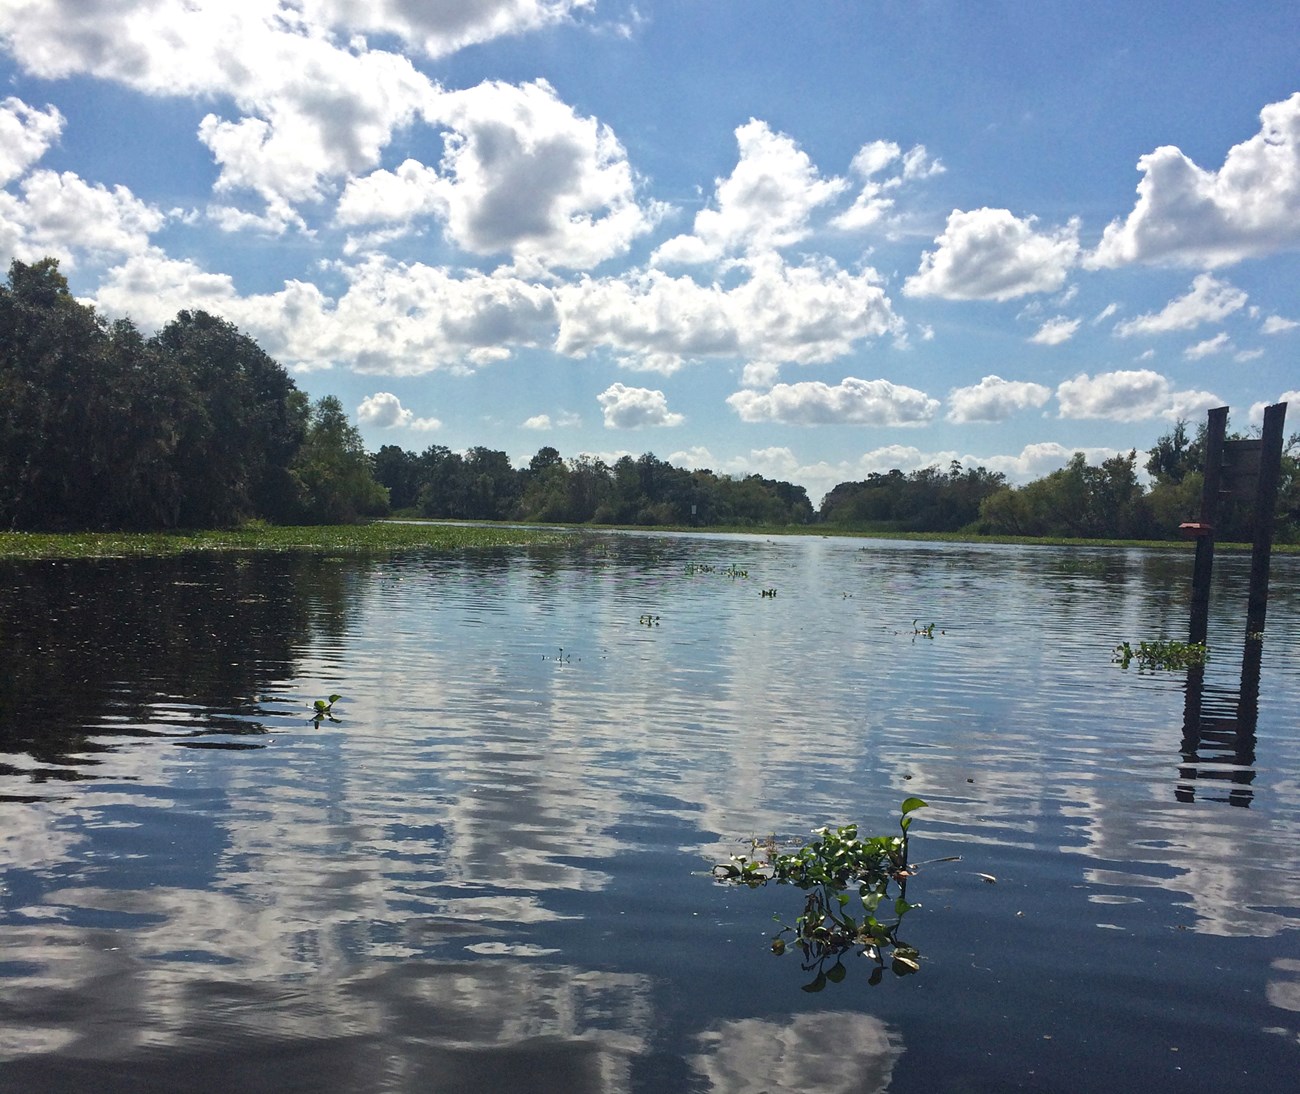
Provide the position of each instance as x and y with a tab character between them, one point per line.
197	427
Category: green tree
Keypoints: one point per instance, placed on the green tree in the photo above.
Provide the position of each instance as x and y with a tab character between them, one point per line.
399	472
240	425
337	484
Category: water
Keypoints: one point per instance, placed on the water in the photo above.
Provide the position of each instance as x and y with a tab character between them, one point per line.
491	872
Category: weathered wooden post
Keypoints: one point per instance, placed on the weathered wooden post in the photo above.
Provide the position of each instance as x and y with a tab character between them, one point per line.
1237	469
1245	469
1203	529
1266	485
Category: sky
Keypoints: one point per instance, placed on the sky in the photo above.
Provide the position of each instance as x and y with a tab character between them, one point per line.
808	241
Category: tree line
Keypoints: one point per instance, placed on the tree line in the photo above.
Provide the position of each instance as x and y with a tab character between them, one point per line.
482	484
197	427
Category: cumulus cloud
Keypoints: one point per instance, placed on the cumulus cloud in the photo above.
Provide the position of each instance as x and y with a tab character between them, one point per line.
994	399
1220	343
309	109
1256	414
1208	301
989	254
393	319
1189	216
61	214
384	410
1277	324
875	198
147	286
440	29
852	401
803	314
1130	396
564	420
522	174
1055	331
635	408
1039	459
764	204
25	134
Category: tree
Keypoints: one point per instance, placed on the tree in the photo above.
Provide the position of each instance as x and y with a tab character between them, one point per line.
337	486
240	425
399	471
52	383
1174	455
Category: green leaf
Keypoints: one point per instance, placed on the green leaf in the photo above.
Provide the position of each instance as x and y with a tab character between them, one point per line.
913	803
818	982
334	699
836	974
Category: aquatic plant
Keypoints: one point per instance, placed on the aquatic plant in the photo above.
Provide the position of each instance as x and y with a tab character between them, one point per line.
767	592
924	632
827	869
649	620
325	709
1163	653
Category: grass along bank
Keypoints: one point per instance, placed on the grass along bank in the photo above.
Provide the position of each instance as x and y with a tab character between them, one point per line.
382	536
375	538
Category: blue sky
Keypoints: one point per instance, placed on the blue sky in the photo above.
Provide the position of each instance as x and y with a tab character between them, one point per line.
810	241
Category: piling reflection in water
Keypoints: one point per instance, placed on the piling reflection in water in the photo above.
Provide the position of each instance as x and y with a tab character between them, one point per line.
1218	746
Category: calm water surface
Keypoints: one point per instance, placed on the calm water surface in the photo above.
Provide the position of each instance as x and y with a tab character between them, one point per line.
491	872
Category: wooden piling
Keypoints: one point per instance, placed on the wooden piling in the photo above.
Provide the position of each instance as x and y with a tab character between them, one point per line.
1217	423
1270	472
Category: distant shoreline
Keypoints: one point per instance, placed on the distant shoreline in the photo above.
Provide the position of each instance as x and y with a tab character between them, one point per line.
382	536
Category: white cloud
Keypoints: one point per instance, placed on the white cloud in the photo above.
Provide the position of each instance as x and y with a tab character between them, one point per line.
804	314
1208	301
1220	343
63	215
522	174
994	399
874	200
1277	324
1055	331
25	134
635	408
1039	459
409	192
1129	396
852	401
309	109
692	458
1244	355
760	374
989	254
1256	415
384	410
764	204
149	287
393	319
1186	215
564	420
1105	313
442	28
